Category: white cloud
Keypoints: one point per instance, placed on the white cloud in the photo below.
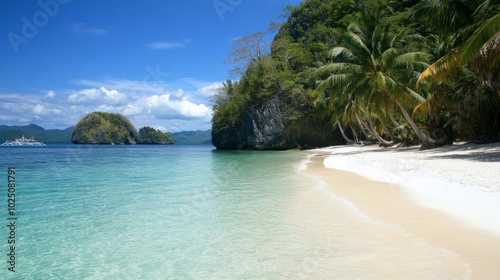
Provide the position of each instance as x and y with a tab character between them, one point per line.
81	28
132	110
98	96
45	110
176	105
165	45
163	107
208	91
50	94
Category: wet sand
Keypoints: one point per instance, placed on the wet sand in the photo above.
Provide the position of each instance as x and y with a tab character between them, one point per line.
388	234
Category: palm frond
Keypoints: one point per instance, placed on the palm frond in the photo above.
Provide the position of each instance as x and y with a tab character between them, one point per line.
335	67
412	60
421	109
356	40
336	81
465	53
341	53
480	37
414	94
389	55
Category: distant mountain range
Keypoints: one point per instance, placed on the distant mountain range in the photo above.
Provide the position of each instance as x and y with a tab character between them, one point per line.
35	131
64	135
193	137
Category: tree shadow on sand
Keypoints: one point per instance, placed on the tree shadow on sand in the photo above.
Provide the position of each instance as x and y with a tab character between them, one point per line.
482	153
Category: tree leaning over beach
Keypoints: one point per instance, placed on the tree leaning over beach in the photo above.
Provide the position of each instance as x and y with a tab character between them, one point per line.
372	70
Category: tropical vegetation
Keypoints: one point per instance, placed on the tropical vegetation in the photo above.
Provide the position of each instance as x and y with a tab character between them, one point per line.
381	71
109	128
149	135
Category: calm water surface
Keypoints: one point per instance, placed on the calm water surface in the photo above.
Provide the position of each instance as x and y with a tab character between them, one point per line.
157	212
189	212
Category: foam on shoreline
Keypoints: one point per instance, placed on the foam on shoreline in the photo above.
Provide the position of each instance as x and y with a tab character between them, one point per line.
369	215
462	180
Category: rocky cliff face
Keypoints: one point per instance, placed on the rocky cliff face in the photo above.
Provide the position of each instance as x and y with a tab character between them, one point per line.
267	127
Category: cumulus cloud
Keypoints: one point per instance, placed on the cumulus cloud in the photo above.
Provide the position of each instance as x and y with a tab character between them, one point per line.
50	94
208	91
164	107
44	110
132	110
98	96
175	105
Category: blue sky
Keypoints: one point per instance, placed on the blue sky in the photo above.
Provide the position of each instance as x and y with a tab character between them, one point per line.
156	62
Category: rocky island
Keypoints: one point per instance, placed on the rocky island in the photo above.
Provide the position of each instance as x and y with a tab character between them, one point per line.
149	135
107	128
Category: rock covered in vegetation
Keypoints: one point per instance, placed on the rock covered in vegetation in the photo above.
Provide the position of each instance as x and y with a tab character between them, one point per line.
104	128
273	105
268	126
108	128
149	135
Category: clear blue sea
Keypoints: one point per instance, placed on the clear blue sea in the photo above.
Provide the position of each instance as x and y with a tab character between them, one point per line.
151	212
190	212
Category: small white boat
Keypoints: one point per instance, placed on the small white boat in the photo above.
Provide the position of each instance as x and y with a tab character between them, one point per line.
23	141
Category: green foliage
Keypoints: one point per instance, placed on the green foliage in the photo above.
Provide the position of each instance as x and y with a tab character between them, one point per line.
370	54
149	135
104	128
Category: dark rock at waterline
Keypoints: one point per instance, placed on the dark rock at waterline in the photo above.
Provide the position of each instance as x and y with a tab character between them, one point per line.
267	126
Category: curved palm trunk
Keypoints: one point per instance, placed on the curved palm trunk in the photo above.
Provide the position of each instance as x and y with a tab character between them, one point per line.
427	142
354	133
349	141
381	141
392	119
363	128
386	129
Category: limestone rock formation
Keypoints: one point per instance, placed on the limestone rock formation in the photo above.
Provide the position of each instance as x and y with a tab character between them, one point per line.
267	127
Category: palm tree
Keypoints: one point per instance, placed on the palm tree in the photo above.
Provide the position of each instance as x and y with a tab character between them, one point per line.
464	53
470	70
368	67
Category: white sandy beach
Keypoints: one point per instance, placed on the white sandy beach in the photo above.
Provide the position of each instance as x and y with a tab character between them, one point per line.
462	180
447	198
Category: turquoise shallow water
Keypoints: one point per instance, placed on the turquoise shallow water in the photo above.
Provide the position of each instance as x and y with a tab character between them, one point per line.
152	212
189	212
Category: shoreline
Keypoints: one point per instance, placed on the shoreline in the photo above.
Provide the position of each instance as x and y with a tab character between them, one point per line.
461	180
376	184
